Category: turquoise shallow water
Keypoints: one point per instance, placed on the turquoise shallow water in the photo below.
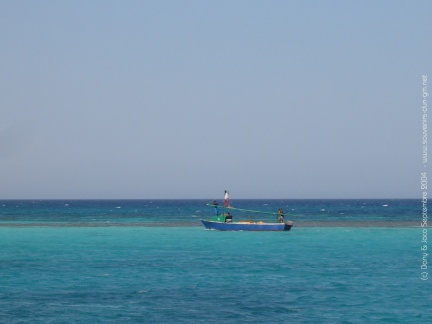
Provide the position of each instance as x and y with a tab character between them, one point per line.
143	261
189	275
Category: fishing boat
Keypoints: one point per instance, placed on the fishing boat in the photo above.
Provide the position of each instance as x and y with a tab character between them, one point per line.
223	222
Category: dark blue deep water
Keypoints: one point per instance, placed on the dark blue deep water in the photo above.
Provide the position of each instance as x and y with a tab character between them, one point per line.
188	212
150	261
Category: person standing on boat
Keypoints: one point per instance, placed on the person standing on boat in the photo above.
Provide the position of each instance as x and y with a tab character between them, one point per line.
215	204
280	215
226	199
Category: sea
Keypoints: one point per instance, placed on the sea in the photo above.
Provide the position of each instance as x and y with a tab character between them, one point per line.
151	261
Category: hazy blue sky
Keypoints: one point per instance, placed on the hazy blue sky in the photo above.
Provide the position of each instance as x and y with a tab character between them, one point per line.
184	99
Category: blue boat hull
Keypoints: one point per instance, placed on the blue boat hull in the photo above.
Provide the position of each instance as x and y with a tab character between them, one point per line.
245	226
